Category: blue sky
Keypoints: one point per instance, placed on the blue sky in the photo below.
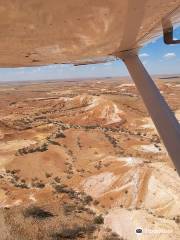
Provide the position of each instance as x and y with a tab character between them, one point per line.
156	56
160	58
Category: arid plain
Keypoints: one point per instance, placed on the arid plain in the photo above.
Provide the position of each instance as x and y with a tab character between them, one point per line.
82	160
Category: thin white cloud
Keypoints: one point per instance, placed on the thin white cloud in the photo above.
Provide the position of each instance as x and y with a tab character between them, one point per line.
144	62
51	66
169	55
92	68
144	55
36	69
108	64
154	40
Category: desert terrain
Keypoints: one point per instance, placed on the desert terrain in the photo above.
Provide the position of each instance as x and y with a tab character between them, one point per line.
83	160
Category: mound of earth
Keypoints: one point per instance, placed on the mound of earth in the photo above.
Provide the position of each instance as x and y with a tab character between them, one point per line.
91	110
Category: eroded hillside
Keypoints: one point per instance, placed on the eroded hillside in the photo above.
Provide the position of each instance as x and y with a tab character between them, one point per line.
82	159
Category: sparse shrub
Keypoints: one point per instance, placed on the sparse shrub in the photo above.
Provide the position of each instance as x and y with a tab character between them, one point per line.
69	233
96	202
98	165
21	185
70	152
113	236
48	175
64	189
87	199
90	211
99	219
43	147
13	181
75	232
33	148
91	228
38	185
57	179
16	178
112	140
60	188
14	171
69	208
81	209
60	134
177	219
37	212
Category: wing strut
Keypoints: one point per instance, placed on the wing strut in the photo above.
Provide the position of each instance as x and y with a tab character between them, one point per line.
162	116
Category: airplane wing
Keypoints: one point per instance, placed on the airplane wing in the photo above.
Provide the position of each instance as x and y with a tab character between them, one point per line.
40	32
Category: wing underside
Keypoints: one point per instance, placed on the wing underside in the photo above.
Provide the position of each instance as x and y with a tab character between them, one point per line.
40	32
